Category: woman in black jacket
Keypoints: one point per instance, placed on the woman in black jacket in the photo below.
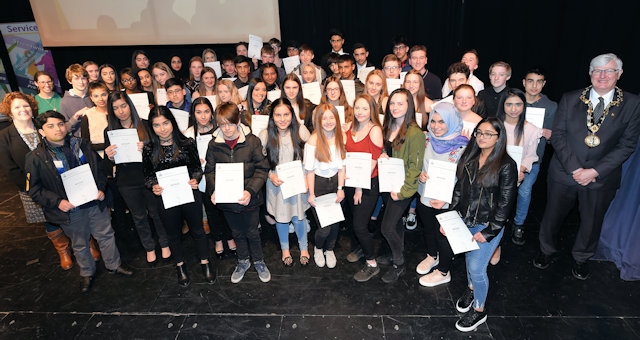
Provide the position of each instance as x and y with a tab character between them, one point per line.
168	149
233	143
484	196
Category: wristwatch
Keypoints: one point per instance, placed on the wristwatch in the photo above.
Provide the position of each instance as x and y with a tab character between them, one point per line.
340	187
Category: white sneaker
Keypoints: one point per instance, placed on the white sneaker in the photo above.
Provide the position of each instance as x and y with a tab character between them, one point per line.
411	222
434	278
426	265
318	257
331	258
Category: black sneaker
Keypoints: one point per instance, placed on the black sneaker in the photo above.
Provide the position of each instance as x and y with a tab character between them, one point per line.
85	283
464	302
393	274
471	320
542	261
366	273
517	236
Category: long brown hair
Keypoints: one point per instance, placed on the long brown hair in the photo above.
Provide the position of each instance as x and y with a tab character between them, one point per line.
323	152
409	119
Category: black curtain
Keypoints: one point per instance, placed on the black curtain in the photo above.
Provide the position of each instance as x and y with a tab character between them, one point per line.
560	36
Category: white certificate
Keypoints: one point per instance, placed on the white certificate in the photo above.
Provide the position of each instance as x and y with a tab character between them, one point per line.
290	63
273	95
175	186
161	96
213	101
259	123
328	210
292	178
442	180
229	182
243	92
215	65
535	116
393	84
202	142
126	141
349	87
358	170
255	45
312	92
457	232
79	185
390	174
419	119
402	75
364	72
182	118
516	153
340	110
141	103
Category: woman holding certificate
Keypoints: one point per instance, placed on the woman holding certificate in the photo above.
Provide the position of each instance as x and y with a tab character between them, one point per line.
283	141
201	131
404	140
484	195
524	135
365	135
334	95
129	175
324	156
234	146
375	85
207	86
257	102
167	150
227	92
444	144
415	84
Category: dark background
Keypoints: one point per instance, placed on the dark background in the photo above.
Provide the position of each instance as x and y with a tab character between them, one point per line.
559	36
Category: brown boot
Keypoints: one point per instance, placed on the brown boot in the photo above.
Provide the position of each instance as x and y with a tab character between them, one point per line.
95	250
61	243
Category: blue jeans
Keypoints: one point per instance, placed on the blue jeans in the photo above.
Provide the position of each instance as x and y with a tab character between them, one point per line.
301	231
524	194
477	261
87	221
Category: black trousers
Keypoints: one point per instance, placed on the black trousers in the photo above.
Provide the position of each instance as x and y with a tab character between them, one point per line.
362	215
592	205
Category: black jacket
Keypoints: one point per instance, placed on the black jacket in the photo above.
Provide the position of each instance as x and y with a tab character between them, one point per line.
491	206
249	152
44	184
12	155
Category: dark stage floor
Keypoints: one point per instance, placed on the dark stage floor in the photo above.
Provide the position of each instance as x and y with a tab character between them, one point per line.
40	300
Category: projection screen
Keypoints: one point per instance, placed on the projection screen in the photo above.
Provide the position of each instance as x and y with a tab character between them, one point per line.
64	23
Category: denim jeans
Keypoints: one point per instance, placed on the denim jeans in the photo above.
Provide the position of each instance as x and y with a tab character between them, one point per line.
301	231
477	261
524	194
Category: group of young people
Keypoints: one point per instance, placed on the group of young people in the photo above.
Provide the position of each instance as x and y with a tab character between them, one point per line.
421	121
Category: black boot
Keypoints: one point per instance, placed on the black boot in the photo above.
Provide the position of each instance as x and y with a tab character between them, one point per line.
208	273
183	277
517	235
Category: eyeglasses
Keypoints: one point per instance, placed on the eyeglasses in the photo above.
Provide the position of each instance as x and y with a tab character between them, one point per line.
399	47
333	89
480	134
608	71
388	68
128	80
172	92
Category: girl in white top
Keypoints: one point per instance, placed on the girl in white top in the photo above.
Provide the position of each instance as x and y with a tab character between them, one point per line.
324	156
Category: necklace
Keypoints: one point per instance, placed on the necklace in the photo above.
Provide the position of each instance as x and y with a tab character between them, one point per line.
31	139
591	140
166	141
49	102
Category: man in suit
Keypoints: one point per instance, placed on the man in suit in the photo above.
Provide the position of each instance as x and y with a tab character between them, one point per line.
360	53
594	132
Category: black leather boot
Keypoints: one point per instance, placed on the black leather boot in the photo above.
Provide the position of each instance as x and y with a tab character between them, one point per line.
208	272
183	277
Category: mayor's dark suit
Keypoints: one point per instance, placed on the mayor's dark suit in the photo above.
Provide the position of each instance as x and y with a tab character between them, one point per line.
618	138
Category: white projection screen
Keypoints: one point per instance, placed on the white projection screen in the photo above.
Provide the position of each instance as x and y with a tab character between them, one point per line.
63	23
